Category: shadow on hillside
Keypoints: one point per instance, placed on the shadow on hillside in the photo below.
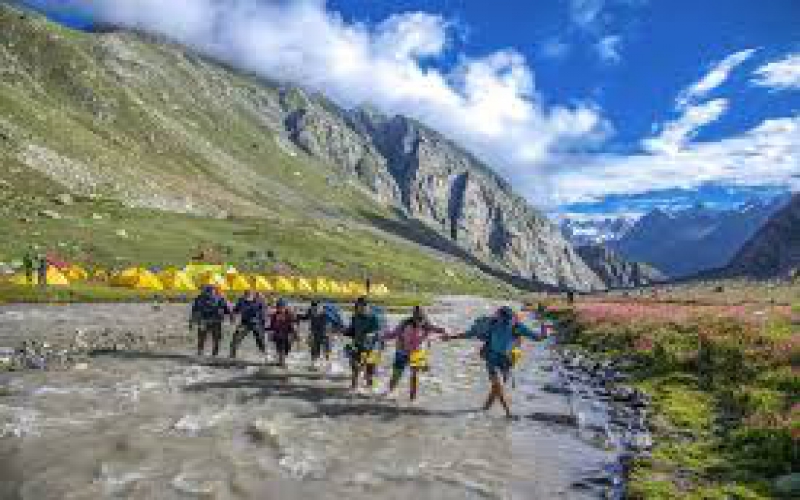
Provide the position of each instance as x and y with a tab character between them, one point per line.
419	233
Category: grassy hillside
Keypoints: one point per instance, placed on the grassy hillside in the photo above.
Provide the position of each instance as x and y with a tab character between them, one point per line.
164	153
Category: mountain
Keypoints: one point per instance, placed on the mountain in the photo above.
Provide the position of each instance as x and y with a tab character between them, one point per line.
125	117
615	271
582	230
774	251
684	242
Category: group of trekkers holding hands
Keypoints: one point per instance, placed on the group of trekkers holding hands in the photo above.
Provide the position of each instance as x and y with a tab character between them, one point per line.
367	332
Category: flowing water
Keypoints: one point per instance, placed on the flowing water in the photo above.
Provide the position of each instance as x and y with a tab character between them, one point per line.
174	426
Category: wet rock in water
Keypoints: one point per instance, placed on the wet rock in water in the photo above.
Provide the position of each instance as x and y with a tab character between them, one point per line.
554	418
788	485
81	366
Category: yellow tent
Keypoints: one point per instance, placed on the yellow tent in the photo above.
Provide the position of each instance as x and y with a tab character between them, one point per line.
76	273
100	275
321	286
356	288
148	281
303	285
127	277
335	288
237	282
212	279
283	284
176	280
262	284
379	290
196	270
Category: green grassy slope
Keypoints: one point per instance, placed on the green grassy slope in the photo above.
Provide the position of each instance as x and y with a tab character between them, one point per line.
179	153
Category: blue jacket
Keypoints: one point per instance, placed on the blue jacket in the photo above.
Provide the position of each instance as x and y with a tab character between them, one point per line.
252	312
209	308
498	335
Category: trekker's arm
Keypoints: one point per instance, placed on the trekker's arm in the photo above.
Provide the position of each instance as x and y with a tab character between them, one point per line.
523	330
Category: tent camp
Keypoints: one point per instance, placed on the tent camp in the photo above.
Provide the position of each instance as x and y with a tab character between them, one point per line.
303	285
75	273
321	285
262	284
237	282
176	280
283	285
212	279
138	278
54	277
379	290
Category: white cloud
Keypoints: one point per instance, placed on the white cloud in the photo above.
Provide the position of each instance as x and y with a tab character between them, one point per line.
488	103
767	155
783	74
714	78
675	135
608	48
586	13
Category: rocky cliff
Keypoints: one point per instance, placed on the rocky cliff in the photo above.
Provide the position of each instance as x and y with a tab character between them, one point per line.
615	271
150	124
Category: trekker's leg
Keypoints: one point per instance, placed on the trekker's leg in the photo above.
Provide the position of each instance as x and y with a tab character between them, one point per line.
258	333
216	338
202	333
236	339
504	398
369	374
414	385
397	374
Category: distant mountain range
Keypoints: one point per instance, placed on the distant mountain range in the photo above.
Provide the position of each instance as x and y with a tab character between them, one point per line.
684	242
680	242
774	251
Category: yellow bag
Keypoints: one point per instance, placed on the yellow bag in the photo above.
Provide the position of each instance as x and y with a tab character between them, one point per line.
516	356
419	359
371	357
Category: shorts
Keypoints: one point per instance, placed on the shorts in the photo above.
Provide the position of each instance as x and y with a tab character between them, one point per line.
283	345
497	364
320	344
401	360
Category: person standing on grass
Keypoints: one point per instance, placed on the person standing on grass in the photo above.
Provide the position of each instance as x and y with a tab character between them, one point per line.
364	327
208	313
409	353
499	333
252	311
282	324
28	263
41	270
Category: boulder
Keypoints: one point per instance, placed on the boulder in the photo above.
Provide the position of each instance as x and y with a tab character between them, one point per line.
50	214
65	199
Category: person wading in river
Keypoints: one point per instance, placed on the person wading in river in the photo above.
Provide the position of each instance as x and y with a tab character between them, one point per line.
499	333
322	320
208	312
363	331
252	311
282	324
411	334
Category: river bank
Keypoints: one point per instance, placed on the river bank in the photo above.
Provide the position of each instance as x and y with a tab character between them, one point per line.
724	392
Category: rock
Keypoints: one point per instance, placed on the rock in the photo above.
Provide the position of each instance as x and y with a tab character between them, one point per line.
50	214
81	366
788	485
65	199
97	216
121	233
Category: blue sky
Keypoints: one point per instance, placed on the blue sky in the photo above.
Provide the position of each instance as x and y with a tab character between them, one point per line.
586	105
